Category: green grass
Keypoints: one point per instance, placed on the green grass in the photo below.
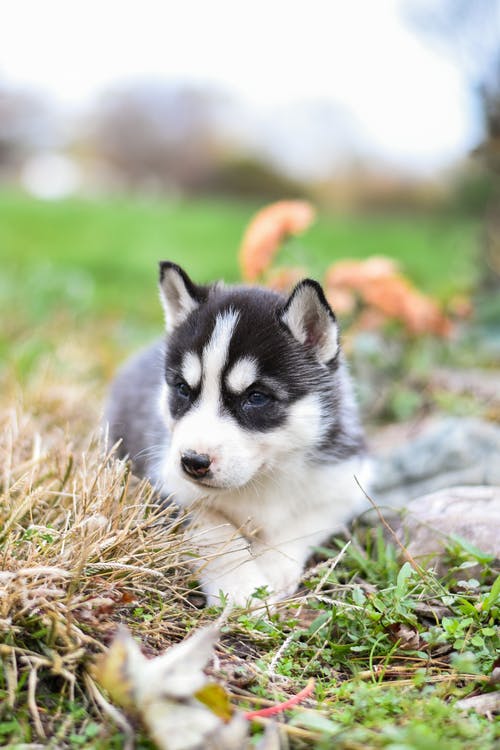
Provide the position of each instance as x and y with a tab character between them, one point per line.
101	256
392	651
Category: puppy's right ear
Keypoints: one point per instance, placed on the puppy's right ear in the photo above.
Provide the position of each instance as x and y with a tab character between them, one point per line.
310	320
179	295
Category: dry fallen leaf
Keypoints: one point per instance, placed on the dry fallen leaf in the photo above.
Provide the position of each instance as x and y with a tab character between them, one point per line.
406	637
216	699
161	691
266	232
172	697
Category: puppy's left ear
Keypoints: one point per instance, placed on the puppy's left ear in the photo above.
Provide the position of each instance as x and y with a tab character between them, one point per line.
310	320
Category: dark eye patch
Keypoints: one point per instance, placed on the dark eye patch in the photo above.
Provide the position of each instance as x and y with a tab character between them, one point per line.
180	396
258	408
256	399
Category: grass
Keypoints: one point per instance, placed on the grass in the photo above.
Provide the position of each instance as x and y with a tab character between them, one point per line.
100	256
84	547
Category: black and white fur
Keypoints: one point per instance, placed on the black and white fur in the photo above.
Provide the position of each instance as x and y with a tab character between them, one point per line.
246	416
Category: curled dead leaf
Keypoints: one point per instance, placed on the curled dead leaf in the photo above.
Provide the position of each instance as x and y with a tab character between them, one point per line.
406	637
112	670
266	232
172	697
162	691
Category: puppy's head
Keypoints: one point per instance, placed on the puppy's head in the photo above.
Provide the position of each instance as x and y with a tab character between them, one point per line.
246	375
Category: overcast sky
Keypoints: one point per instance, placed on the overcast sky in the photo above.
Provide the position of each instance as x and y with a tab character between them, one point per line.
408	104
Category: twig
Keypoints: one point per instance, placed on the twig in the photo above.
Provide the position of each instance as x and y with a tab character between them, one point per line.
11	677
35	715
391	531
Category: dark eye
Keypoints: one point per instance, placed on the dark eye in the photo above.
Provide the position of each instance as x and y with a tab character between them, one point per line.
257	398
183	389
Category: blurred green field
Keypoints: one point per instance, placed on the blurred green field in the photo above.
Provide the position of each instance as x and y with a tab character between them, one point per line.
99	257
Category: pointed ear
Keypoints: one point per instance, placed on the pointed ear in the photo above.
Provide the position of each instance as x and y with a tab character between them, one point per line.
310	320
179	296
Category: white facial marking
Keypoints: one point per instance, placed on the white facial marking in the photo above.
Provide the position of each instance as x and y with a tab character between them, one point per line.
191	369
242	374
204	429
215	355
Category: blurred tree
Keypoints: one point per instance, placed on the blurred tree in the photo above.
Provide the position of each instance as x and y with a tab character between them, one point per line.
248	176
469	31
156	134
160	136
24	127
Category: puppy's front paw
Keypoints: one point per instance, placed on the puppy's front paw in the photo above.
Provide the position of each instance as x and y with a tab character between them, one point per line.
283	572
237	591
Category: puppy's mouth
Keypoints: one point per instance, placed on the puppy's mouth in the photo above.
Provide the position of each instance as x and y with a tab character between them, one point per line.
202	481
198	470
210	483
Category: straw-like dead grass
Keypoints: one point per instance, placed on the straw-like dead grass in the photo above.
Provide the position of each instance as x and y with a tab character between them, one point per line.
83	543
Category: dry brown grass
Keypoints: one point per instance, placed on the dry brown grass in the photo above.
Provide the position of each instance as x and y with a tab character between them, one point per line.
84	544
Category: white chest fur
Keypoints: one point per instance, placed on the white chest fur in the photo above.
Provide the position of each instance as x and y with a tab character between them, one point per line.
262	534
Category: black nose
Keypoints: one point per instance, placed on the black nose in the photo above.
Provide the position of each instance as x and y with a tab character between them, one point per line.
195	464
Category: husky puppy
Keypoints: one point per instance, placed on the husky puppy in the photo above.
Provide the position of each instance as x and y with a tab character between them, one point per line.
245	415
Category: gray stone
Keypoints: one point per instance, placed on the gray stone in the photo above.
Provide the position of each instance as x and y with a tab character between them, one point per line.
472	513
454	451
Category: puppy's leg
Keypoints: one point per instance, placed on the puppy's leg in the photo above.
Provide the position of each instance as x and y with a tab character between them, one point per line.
283	564
226	564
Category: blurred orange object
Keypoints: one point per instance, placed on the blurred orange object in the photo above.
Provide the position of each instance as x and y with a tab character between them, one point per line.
267	231
356	273
380	286
341	300
460	306
284	279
